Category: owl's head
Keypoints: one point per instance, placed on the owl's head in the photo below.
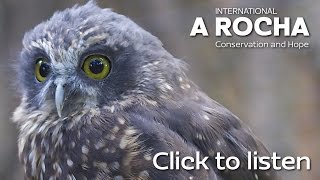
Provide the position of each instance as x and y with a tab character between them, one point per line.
88	56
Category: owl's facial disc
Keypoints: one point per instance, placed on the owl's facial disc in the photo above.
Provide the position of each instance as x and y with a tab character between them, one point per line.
59	95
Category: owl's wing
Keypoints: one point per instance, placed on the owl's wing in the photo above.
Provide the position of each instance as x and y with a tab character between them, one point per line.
211	128
126	141
200	124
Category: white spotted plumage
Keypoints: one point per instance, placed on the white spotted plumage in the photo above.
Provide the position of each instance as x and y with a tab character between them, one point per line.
111	128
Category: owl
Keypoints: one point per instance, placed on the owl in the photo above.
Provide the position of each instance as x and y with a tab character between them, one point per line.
100	97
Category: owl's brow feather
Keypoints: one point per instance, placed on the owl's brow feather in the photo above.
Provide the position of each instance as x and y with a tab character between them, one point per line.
44	91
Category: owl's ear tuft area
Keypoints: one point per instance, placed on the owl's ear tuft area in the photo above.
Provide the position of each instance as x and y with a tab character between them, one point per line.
91	3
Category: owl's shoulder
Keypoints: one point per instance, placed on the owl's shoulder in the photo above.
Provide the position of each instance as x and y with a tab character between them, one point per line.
207	127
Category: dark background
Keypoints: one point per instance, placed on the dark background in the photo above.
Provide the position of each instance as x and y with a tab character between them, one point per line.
275	91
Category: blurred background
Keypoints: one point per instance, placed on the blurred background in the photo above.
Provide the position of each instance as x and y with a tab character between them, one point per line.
275	91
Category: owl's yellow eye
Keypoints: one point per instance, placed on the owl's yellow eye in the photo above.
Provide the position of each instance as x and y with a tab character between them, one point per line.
42	69
96	66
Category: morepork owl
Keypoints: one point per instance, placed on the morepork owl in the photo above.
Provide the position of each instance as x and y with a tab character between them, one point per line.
100	97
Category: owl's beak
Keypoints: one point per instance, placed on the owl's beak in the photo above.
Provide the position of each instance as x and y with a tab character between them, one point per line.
59	98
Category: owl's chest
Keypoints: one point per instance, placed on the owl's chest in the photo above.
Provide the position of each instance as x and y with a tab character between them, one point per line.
56	152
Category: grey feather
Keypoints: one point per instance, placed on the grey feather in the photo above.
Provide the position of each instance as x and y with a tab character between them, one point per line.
110	128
